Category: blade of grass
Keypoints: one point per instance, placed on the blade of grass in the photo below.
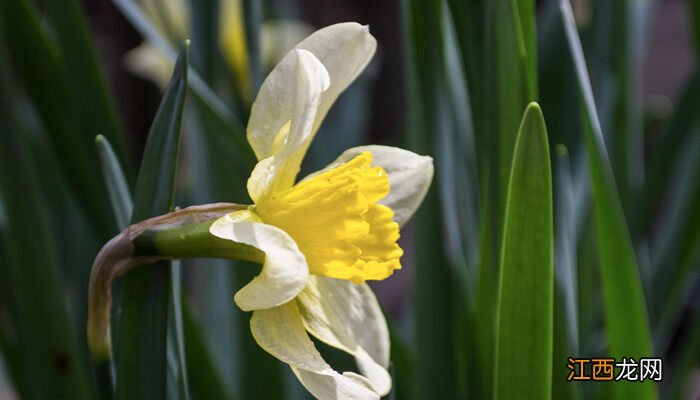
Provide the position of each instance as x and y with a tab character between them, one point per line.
461	181
141	357
433	288
562	350
205	27
119	193
38	68
457	172
513	83
48	351
528	27
402	365
122	206
566	271
666	151
202	373
509	85
625	309
88	91
677	240
252	19
627	30
177	340
525	301
685	355
566	327
695	21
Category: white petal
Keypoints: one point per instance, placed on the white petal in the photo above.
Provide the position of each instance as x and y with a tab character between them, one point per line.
281	167
280	332
326	387
344	49
348	317
284	272
410	176
148	62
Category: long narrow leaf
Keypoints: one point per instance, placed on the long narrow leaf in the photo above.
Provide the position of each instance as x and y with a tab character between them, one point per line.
252	20
49	364
39	69
202	373
695	20
88	90
119	193
524	332
625	309
566	271
141	358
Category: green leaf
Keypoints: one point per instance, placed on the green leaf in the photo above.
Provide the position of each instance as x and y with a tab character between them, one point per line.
528	29
676	252
120	198
510	88
87	88
119	193
141	357
402	365
625	310
566	271
204	378
38	66
434	311
695	20
525	302
48	363
668	148
566	289
628	24
176	342
265	381
252	20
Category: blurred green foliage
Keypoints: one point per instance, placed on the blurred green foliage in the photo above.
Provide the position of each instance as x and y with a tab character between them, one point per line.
516	265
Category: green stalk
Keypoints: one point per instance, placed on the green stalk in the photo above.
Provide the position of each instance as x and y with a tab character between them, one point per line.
192	241
180	234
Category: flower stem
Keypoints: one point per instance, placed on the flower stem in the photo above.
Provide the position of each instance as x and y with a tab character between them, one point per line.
179	234
192	241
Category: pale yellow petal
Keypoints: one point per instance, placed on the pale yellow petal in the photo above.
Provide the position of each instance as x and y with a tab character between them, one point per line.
148	62
284	272
348	317
326	387
232	43
278	171
344	49
280	332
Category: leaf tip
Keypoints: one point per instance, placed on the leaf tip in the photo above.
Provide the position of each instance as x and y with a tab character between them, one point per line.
560	150
533	110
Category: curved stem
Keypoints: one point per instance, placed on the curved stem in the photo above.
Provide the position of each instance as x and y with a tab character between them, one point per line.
179	234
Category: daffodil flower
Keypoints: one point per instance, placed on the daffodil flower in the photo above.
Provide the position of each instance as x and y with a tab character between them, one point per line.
318	239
